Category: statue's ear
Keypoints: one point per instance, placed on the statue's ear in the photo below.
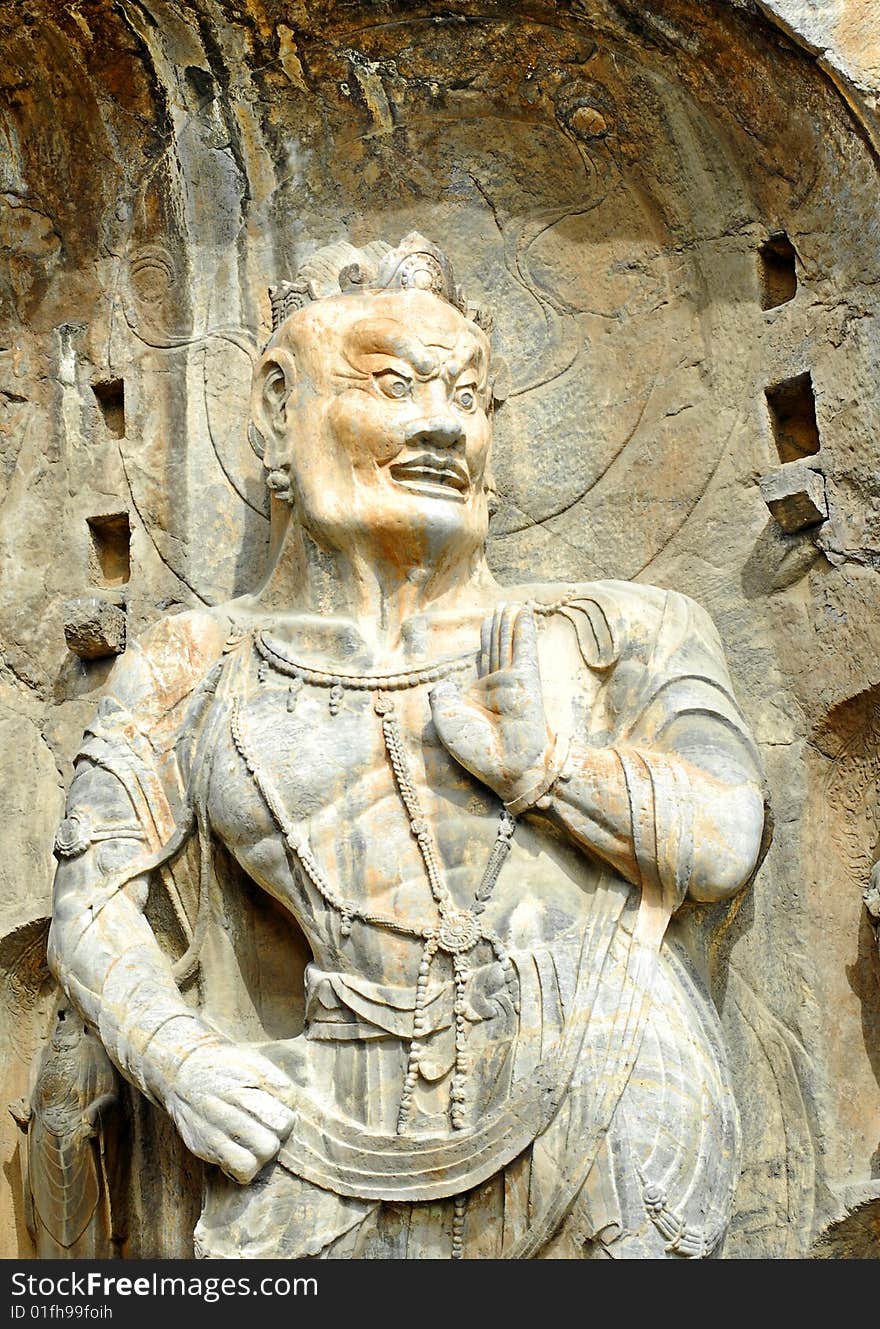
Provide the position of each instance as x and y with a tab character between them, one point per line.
274	381
493	500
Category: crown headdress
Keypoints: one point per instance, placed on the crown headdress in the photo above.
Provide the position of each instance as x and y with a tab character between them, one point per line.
415	264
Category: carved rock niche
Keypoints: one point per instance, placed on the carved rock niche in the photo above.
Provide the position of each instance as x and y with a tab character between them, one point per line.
606	176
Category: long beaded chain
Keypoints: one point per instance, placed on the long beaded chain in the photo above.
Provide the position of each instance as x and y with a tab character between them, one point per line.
459	930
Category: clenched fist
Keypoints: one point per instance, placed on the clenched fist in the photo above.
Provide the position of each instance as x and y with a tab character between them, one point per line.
231	1106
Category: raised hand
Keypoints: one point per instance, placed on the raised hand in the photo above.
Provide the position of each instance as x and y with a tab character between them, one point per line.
231	1107
497	729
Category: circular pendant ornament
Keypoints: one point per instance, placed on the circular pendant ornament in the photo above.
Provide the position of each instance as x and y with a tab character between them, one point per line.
459	932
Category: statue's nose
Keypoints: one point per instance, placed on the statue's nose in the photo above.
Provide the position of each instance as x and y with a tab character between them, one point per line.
436	431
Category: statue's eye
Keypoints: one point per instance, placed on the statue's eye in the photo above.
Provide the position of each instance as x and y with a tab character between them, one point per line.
466	398
393	384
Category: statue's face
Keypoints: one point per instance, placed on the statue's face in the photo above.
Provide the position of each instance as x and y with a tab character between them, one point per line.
388	426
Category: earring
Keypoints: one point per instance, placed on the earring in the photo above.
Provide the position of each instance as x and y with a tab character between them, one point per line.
278	481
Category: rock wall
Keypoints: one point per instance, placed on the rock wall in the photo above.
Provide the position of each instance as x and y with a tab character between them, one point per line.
672	209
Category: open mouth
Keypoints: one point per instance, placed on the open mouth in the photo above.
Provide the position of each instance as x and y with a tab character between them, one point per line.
435	475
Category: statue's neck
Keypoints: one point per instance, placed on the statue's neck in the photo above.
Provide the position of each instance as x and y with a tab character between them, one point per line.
364	594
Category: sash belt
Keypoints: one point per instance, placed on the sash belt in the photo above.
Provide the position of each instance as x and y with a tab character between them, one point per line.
351	1160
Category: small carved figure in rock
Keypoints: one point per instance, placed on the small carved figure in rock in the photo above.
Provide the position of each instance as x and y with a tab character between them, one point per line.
67	1163
426	840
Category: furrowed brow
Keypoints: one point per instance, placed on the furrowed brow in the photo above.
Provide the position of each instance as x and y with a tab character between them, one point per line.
377	337
467	355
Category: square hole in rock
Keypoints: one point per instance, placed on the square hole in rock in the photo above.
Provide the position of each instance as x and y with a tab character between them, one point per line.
111	549
777	259
110	397
792	408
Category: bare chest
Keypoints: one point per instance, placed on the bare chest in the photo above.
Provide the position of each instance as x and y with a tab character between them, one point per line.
322	811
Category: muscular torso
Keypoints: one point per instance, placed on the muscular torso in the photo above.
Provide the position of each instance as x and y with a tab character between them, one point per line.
334	781
373	1056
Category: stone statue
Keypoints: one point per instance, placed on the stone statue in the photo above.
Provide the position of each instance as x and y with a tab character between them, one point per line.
370	878
69	1161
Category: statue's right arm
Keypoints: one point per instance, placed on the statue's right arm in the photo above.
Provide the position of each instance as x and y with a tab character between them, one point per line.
231	1105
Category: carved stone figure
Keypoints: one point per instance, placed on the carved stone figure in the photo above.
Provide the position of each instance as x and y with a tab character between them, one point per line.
67	1167
370	878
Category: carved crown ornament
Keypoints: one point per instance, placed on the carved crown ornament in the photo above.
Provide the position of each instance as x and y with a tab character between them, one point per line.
416	264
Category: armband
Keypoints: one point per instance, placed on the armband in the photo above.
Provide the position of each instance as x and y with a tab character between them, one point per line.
78	832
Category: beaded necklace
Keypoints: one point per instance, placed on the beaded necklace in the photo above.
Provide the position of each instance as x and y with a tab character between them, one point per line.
272	654
457	931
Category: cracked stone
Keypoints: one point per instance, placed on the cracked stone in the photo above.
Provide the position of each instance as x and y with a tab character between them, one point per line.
795	495
94	628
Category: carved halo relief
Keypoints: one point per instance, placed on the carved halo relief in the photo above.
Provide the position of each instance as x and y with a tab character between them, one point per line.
579	301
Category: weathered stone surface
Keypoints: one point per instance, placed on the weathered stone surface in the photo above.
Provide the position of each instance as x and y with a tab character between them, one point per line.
193	156
94	628
381	651
855	1233
795	494
841	33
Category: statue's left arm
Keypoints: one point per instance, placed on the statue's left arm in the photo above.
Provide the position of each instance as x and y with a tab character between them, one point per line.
669	784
